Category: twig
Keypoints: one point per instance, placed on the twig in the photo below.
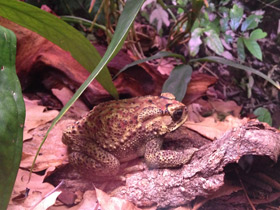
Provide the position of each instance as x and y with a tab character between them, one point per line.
203	66
269	5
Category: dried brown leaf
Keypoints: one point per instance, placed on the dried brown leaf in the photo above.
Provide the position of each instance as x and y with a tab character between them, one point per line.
36	115
64	95
38	189
213	129
227	107
53	153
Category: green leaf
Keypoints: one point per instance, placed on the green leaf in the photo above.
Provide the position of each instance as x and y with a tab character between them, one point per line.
214	25
204	22
251	22
236	65
58	32
257	34
156	56
224	24
195	41
263	115
228	38
178	81
213	42
240	49
253	47
235	14
12	115
126	19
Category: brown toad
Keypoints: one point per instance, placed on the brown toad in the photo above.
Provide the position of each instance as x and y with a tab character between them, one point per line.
122	130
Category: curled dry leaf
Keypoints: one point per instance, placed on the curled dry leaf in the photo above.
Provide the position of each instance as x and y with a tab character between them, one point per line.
36	116
198	87
213	129
226	107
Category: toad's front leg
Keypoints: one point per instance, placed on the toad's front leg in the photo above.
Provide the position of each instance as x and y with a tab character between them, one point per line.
157	158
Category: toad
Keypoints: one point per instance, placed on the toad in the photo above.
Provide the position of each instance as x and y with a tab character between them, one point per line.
118	131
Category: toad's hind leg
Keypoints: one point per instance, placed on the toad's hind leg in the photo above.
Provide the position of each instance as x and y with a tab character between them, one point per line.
94	159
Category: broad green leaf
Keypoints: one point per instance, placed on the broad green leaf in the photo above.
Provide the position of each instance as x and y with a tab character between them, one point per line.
195	41
240	49
12	115
257	34
253	47
204	22
214	25
224	24
235	14
156	56
58	32
228	38
178	81
213	42
126	19
251	22
236	65
263	115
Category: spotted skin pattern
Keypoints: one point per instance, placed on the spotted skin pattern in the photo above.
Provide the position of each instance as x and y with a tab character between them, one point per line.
118	131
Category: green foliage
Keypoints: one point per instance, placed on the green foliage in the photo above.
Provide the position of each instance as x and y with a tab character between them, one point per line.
178	81
251	44
235	14
237	66
250	23
253	47
257	34
213	42
229	25
240	49
263	115
195	41
12	115
60	33
219	26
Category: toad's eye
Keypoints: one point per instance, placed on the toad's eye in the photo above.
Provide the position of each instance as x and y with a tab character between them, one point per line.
177	114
